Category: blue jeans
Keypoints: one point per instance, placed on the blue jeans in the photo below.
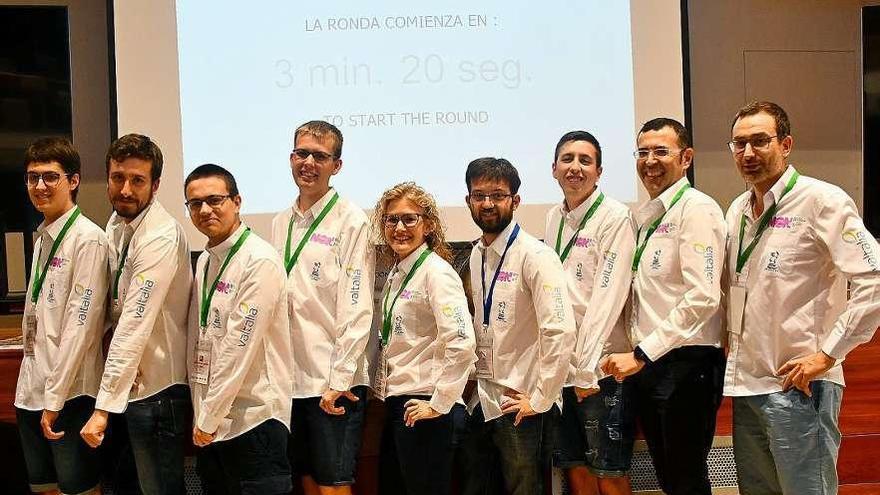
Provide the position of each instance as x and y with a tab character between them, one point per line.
516	450
157	431
786	443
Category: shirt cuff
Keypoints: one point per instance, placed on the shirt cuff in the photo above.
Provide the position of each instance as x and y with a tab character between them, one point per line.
107	402
441	403
834	345
652	347
586	379
52	402
208	423
541	404
340	380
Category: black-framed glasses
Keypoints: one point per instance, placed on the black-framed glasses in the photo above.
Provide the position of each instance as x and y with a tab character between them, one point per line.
50	179
659	153
761	143
494	197
301	154
214	201
409	220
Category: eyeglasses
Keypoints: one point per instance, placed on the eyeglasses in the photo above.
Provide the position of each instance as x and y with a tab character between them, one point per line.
761	143
494	197
409	220
659	153
301	155
214	201
50	179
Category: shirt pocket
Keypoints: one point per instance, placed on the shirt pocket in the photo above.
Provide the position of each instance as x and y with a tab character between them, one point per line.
777	262
503	312
56	286
583	265
218	314
660	257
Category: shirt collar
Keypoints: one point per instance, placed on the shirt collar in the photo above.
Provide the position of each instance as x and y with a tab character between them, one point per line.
116	221
406	264
581	210
221	249
772	196
500	242
316	208
54	228
666	196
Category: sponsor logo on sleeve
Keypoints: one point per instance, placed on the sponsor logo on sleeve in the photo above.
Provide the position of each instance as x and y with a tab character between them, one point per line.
250	314
555	294
456	314
708	254
85	302
354	290
608	268
144	291
860	238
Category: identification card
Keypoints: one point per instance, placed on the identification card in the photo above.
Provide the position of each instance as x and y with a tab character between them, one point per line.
201	367
485	353
736	306
30	334
381	373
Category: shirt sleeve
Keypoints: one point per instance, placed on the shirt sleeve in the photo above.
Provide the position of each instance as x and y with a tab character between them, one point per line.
611	285
455	332
702	241
855	253
254	306
154	265
556	327
83	319
354	309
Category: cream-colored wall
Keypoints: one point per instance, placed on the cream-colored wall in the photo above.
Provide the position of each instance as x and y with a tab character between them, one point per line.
804	55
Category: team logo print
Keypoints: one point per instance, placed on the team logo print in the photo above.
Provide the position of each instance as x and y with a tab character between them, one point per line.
850	236
79	289
244	307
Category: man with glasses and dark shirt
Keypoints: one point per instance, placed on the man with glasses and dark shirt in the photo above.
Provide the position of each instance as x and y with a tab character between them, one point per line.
150	277
524	330
62	327
676	317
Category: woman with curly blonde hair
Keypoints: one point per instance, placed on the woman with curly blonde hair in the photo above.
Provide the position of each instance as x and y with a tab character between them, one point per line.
426	344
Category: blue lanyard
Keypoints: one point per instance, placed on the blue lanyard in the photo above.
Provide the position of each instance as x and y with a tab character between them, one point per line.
487	298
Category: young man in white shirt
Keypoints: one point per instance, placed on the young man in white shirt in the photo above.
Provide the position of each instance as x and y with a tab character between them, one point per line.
794	244
524	331
325	246
238	346
676	313
150	277
593	236
62	327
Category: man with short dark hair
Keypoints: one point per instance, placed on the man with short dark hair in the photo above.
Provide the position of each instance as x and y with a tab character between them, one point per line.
525	330
795	242
239	351
676	320
150	278
324	241
593	236
61	328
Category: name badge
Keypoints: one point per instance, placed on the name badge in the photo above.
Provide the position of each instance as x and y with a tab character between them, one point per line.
485	353
380	382
736	306
30	334
201	368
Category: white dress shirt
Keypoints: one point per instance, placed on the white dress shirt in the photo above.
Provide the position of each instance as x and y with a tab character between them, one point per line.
597	268
795	281
677	288
431	345
147	353
329	294
531	322
66	361
248	381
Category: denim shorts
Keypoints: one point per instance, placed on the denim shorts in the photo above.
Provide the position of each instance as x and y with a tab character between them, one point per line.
325	446
67	464
253	463
597	432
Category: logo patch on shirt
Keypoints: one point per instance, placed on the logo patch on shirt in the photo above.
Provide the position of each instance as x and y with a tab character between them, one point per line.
584	242
508	277
579	272
558	302
250	320
225	287
608	268
501	314
85	303
408	294
708	253
316	271
773	262
355	290
143	296
57	262
786	223
398	325
457	315
666	228
656	265
323	239
861	239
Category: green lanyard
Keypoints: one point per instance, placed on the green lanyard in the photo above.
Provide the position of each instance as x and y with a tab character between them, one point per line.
290	261
742	257
41	277
584	220
119	269
386	311
641	249
207	297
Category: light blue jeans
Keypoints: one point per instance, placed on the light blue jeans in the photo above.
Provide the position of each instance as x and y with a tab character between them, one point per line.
786	443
